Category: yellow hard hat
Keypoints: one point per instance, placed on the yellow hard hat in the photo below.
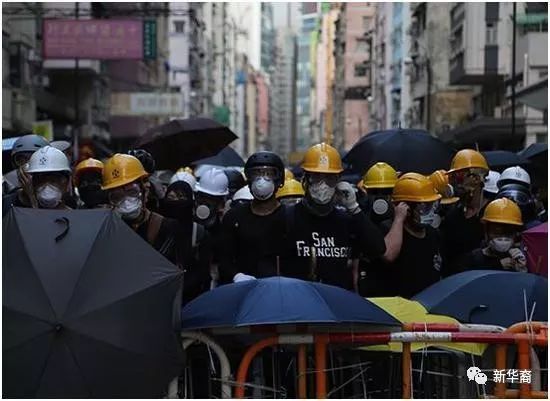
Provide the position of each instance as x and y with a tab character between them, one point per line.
413	187
87	165
289	175
322	158
503	211
381	175
440	179
185	170
468	158
290	188
122	169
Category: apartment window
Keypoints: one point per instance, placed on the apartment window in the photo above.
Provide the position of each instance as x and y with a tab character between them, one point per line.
361	70
366	23
491	34
179	26
361	46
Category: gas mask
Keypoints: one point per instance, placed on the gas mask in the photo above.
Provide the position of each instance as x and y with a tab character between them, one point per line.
129	208
92	195
424	214
501	244
49	196
466	183
262	188
321	193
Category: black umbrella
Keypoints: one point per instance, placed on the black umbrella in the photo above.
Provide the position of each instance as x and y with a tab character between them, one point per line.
537	153
499	160
404	149
181	142
227	157
88	308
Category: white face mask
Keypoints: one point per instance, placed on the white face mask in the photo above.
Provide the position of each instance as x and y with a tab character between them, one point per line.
49	196
262	188
321	192
501	244
129	208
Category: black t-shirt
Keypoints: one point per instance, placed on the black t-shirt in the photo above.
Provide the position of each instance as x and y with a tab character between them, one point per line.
320	248
250	244
460	236
168	241
475	260
418	265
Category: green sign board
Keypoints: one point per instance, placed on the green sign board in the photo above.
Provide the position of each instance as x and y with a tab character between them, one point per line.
149	39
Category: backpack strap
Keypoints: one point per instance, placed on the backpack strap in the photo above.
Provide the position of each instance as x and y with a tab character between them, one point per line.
153	227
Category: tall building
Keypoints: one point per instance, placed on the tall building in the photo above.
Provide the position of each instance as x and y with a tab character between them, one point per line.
282	95
309	18
481	56
435	104
179	32
267	37
353	111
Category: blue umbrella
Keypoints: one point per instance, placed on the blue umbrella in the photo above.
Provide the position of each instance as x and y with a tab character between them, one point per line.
280	300
488	296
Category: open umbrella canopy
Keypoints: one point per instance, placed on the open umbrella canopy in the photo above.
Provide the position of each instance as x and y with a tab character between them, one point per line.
88	308
280	300
407	311
406	150
536	244
488	297
499	160
535	150
180	142
227	157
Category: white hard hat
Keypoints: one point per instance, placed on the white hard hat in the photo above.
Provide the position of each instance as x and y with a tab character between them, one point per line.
186	177
243	194
213	182
48	159
491	182
514	175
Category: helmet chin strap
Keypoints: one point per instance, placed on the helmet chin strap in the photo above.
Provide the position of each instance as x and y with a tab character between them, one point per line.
317	209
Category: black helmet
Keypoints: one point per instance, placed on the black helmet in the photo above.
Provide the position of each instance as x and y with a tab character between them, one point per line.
145	158
520	195
28	143
235	179
264	158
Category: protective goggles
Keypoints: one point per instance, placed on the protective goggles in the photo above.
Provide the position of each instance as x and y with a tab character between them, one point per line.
495	230
116	195
330	179
58	179
426	208
263	171
467	176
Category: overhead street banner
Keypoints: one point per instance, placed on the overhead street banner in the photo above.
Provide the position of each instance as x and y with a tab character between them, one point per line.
99	39
146	104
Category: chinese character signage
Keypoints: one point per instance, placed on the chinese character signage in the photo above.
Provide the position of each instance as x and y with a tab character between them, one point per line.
95	39
146	104
150	39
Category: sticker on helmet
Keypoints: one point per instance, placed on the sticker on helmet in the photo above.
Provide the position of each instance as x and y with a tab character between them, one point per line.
323	160
43	161
115	173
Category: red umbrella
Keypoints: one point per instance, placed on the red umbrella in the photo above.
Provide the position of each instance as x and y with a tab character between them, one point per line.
536	243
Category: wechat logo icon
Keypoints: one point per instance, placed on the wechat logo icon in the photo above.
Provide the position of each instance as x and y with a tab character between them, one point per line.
474	373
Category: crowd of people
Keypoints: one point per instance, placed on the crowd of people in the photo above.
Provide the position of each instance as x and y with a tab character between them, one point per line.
391	234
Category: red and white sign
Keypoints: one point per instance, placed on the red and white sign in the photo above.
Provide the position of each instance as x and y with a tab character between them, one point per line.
93	39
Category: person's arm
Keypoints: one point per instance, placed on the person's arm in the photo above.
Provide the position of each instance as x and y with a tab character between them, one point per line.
394	238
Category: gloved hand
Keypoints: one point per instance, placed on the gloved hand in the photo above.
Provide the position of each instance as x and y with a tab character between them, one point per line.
507	263
347	196
519	261
237	278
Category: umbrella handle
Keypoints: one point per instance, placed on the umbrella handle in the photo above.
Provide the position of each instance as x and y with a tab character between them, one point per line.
65	231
